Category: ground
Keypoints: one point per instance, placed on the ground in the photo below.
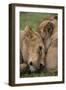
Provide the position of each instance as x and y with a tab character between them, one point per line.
38	74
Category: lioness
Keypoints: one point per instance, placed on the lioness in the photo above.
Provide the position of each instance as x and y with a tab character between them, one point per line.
48	31
32	49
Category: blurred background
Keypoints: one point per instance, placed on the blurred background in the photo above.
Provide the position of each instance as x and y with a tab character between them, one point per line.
33	19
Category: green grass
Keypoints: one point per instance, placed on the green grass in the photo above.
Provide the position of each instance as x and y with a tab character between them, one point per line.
38	74
33	19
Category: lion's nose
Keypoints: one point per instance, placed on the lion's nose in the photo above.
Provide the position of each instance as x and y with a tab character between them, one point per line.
41	66
31	63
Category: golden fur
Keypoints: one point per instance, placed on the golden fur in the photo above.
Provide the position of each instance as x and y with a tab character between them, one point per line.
32	48
48	31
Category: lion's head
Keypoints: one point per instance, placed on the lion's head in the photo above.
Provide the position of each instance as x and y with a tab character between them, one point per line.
32	48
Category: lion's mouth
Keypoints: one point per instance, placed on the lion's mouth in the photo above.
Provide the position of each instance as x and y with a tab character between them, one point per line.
32	68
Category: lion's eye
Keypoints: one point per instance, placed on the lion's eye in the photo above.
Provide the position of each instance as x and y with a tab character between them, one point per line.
40	50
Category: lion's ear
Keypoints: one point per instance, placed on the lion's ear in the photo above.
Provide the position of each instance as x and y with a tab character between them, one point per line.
28	32
27	28
49	27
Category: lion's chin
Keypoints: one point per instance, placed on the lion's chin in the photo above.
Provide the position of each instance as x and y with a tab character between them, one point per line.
32	69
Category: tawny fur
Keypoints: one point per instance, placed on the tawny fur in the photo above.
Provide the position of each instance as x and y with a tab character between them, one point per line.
23	67
30	43
50	39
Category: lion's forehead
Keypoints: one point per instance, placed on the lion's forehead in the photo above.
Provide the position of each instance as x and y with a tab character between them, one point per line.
36	42
36	39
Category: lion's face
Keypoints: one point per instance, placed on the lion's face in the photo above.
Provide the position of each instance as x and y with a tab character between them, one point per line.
33	50
36	53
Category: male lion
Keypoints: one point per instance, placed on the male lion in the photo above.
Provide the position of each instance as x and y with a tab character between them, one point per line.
48	31
32	49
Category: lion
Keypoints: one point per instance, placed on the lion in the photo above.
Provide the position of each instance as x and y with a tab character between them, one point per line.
48	31
32	49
